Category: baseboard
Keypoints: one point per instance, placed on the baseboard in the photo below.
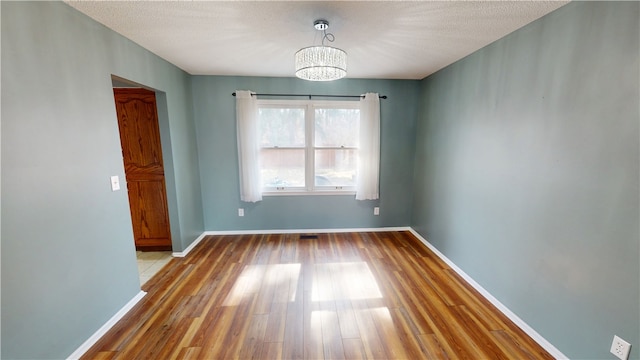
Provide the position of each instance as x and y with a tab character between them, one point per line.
501	307
508	313
104	328
306	231
195	242
283	231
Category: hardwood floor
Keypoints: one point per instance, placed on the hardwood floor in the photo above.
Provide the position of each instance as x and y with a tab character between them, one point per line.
380	295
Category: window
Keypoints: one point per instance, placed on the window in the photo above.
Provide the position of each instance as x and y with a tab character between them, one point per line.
308	146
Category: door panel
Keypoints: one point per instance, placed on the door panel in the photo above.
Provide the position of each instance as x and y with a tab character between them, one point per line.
153	229
142	155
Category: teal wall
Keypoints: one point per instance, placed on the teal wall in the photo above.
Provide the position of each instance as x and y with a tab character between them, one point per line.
68	259
527	173
217	149
523	159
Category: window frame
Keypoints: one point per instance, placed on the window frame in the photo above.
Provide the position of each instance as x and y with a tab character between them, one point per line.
310	147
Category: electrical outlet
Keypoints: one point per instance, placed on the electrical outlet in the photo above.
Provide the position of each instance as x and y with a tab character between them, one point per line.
620	348
376	211
240	212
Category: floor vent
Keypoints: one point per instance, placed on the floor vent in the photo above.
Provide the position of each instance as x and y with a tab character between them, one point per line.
308	236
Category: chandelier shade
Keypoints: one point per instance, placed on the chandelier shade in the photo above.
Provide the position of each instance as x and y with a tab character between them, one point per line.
321	63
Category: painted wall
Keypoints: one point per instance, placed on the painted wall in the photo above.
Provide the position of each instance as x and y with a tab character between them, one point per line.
217	149
527	173
68	259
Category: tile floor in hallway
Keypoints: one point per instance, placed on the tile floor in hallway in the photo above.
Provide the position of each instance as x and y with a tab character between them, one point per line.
150	262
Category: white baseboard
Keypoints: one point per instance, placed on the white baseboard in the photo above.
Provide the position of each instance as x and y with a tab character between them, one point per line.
195	242
511	315
306	231
104	328
283	231
508	313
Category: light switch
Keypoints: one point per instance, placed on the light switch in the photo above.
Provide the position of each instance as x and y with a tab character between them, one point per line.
115	183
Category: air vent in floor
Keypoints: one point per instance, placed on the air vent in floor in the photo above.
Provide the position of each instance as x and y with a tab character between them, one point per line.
308	236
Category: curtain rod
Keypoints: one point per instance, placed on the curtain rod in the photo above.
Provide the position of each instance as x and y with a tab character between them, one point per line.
332	96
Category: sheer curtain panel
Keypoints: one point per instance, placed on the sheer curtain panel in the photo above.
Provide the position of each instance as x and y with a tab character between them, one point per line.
248	149
369	149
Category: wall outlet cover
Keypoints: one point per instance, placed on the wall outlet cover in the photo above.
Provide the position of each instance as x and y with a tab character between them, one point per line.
620	348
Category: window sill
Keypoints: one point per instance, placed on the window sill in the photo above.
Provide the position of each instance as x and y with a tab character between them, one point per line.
309	193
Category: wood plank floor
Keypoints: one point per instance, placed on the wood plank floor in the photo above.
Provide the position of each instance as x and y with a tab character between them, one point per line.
380	295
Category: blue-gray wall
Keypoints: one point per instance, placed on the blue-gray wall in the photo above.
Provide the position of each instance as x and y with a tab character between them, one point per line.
217	149
68	258
527	173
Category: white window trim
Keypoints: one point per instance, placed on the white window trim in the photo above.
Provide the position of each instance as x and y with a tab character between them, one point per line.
309	106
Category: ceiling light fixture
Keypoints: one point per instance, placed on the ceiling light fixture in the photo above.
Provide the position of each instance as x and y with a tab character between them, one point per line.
321	63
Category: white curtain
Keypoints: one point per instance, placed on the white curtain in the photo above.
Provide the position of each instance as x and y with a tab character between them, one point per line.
369	152
248	147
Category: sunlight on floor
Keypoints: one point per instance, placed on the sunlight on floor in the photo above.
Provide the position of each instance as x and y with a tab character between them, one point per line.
351	280
281	276
329	282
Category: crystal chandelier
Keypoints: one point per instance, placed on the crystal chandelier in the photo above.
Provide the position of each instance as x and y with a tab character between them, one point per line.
321	63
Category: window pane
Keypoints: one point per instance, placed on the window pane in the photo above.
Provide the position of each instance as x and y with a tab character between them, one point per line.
282	168
337	127
281	127
335	167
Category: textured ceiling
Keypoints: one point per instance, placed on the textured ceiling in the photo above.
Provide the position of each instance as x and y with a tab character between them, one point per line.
383	39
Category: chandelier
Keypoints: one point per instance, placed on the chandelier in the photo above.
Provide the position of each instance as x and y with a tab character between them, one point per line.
321	63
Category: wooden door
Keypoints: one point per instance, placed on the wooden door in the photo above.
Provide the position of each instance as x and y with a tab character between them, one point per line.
142	154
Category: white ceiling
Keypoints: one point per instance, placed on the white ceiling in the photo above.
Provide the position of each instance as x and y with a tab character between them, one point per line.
383	39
